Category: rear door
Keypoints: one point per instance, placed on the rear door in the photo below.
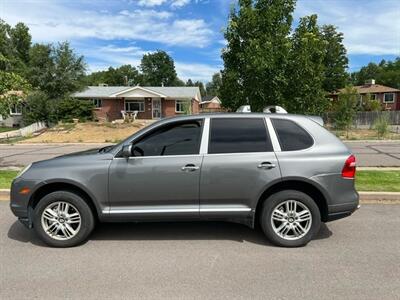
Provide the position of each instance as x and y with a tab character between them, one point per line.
239	164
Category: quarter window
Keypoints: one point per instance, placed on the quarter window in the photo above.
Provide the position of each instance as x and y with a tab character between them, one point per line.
291	136
97	103
388	97
134	105
181	138
238	135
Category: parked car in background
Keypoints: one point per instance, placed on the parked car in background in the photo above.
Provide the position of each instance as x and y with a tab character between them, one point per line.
285	172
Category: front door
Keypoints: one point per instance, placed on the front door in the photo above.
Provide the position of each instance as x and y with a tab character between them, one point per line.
156	108
162	177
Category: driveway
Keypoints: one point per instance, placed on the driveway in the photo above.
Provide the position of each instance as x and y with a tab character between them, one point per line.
369	154
354	258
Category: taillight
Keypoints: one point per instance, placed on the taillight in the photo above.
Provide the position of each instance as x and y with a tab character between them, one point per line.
349	169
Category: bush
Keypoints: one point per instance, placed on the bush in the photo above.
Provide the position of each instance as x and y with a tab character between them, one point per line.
69	108
40	108
381	125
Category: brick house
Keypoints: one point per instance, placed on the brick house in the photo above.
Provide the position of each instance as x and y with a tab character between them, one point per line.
388	97
210	103
150	102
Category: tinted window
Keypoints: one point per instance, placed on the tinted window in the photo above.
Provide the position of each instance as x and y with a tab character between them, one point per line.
238	135
176	139
291	136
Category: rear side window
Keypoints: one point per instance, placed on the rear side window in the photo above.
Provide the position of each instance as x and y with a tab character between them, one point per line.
238	135
291	136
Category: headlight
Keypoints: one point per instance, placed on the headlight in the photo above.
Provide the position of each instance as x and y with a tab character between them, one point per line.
24	170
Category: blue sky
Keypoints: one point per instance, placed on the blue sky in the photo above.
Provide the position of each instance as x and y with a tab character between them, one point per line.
111	33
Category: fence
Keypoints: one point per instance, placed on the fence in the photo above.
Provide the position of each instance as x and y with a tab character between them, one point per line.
367	118
24	131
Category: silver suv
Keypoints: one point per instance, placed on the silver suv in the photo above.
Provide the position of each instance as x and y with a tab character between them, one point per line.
285	172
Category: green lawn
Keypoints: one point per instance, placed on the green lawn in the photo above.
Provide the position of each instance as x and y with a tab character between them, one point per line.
379	181
5	129
6	177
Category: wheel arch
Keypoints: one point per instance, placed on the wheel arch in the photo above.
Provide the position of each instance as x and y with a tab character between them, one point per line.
53	186
299	184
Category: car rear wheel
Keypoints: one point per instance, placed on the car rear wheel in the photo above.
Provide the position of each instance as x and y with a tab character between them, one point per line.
63	219
290	218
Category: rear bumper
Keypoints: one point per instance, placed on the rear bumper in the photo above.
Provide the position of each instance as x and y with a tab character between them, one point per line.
341	211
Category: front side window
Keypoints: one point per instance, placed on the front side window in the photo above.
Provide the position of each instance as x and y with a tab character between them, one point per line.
373	96
134	105
388	97
180	106
97	103
291	136
238	135
181	138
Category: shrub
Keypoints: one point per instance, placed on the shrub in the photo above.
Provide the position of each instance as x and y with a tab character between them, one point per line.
39	108
381	125
69	108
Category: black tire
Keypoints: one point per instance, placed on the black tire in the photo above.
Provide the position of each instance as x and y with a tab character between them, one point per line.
273	201
86	225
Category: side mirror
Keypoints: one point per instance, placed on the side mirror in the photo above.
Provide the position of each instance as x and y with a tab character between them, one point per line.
127	150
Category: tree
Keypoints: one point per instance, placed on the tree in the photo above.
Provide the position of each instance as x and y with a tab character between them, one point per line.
305	71
69	71
158	69
38	108
21	41
335	59
189	82
213	87
56	70
201	87
255	58
385	73
124	75
368	104
41	66
346	108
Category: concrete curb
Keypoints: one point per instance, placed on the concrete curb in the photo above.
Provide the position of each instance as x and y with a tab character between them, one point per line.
365	197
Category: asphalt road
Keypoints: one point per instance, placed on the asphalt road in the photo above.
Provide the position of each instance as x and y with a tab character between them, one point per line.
353	258
369	154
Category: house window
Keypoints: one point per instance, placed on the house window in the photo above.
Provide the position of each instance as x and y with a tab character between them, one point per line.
16	109
97	103
373	96
180	106
388	97
133	105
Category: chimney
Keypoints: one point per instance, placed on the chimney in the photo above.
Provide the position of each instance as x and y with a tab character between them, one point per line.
370	82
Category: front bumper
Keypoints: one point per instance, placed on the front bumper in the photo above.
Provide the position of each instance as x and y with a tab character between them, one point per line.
19	203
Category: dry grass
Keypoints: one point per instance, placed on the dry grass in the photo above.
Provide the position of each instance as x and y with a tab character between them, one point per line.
364	134
90	132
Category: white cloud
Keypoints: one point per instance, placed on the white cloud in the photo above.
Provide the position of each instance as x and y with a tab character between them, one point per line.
51	22
196	71
150	3
369	27
179	3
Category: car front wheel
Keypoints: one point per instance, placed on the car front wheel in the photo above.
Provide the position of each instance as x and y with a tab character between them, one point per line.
63	219
290	218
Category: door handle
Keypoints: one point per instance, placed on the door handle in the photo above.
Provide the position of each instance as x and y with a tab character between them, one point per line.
266	165
189	168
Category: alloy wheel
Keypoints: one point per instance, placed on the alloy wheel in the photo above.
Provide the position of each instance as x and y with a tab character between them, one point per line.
61	220
291	220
